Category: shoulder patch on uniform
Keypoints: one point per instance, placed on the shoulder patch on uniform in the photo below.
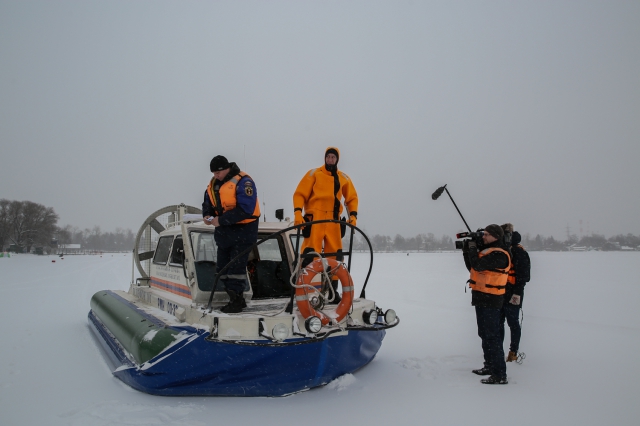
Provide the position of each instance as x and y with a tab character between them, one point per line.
248	190
345	175
247	183
312	171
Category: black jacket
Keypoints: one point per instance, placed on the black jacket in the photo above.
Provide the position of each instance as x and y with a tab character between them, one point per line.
494	260
522	266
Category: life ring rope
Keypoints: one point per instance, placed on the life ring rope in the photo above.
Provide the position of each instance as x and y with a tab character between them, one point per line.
328	268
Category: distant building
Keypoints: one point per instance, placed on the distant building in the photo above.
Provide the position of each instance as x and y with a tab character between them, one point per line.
69	248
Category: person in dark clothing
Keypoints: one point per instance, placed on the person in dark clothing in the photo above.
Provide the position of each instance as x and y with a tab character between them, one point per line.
231	205
514	293
489	269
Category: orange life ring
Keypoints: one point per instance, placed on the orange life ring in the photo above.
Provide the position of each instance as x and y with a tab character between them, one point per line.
302	297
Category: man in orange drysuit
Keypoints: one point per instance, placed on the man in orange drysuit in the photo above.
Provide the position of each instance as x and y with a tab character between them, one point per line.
320	193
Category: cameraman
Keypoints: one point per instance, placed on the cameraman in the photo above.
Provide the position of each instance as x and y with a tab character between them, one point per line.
489	271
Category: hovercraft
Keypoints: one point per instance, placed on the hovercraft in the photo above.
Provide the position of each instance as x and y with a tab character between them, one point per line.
166	335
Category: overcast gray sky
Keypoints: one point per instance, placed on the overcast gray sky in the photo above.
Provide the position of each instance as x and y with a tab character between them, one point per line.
529	110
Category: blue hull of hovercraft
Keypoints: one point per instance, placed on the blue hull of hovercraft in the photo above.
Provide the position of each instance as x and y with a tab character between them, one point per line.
198	366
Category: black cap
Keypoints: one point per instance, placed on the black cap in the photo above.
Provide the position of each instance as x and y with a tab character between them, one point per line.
219	163
495	230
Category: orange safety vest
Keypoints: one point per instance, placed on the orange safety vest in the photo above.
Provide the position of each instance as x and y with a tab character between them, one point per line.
227	194
512	272
490	281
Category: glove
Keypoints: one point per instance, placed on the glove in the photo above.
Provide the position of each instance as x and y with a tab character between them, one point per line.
297	218
515	300
352	220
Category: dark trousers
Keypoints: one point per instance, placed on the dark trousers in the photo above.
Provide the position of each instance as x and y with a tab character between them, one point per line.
231	241
489	331
511	313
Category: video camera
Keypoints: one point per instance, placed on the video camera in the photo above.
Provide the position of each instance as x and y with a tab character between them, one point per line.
469	236
477	238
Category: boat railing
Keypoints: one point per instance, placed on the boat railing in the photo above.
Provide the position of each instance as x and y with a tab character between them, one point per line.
297	255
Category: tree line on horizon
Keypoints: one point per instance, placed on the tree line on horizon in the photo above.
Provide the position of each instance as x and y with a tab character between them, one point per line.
429	242
25	224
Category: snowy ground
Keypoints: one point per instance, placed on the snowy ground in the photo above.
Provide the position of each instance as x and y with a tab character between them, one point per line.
581	334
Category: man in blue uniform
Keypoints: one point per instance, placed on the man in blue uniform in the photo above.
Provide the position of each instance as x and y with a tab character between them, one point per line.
231	205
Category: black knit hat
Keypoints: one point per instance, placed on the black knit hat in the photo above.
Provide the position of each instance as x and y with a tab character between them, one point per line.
219	163
495	230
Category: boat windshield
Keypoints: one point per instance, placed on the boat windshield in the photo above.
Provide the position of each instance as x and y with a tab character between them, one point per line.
204	246
270	250
163	250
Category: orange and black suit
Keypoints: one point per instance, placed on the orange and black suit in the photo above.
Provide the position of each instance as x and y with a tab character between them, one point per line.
320	194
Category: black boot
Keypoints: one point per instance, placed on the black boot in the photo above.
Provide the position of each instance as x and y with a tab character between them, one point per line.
336	295
307	260
232	296
494	380
484	371
236	303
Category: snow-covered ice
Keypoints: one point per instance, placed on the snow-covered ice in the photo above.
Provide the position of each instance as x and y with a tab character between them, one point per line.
581	334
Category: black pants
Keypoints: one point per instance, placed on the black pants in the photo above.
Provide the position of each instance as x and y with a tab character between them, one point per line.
231	241
489	331
511	313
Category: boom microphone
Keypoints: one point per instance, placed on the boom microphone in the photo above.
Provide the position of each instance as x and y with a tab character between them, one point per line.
438	192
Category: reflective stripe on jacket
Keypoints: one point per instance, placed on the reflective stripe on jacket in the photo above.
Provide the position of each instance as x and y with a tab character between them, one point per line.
227	196
490	281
